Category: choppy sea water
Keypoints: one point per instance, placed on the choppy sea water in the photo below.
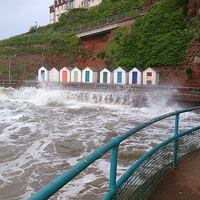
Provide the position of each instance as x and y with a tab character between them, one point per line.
45	131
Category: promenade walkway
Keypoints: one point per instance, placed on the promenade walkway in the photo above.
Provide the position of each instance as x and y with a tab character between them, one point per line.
181	183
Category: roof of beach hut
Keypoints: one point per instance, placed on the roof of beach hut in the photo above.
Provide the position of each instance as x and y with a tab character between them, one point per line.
108	68
46	67
152	68
139	68
57	68
92	68
121	68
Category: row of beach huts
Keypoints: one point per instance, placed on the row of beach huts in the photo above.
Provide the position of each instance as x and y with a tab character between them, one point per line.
149	76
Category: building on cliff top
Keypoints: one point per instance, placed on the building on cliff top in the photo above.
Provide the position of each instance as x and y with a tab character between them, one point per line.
63	6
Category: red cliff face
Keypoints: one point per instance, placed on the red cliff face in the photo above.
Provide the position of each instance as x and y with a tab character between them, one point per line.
193	63
193	7
93	46
169	75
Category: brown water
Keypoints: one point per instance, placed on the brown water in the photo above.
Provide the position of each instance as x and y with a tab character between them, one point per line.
43	132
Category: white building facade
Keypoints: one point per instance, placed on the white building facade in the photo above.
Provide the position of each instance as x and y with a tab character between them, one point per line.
63	6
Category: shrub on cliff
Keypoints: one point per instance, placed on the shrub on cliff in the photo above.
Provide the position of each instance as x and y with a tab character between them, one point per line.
157	38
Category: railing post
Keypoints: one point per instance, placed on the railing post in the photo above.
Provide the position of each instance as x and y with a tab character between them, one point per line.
176	140
9	78
113	169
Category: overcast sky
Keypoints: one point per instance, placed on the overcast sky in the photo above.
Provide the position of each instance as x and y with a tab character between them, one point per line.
17	16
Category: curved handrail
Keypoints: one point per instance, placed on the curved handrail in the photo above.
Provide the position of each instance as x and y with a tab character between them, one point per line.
51	188
127	174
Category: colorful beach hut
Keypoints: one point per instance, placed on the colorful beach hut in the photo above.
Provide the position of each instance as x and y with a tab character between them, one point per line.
150	76
135	76
76	74
89	74
54	74
65	74
106	76
120	76
43	73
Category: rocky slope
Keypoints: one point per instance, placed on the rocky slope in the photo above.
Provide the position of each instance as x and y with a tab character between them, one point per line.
169	75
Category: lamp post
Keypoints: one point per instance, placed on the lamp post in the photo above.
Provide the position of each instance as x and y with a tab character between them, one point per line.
36	27
9	68
9	77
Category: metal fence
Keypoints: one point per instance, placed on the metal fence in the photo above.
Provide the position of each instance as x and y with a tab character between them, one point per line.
102	22
136	182
10	82
145	173
17	83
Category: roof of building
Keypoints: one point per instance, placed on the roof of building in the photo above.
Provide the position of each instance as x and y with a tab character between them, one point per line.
67	67
46	67
79	68
151	68
108	68
139	68
92	68
57	68
123	68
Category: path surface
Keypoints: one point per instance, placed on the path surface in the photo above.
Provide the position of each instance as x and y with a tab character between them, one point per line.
182	183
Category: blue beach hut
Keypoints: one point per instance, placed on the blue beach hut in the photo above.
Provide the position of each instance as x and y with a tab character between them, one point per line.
135	76
43	73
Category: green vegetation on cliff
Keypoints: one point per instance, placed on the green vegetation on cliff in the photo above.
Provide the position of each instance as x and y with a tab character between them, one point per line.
45	44
107	8
160	37
157	38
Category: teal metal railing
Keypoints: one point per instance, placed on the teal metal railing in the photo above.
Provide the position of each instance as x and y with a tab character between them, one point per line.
99	23
144	173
